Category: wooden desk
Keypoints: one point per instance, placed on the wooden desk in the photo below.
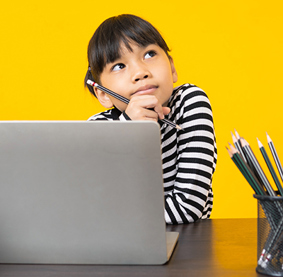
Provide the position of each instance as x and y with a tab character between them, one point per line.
217	247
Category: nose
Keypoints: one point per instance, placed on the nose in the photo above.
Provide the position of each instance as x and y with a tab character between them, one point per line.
141	77
140	72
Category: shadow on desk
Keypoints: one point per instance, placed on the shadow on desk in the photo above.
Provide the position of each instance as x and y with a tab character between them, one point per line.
213	247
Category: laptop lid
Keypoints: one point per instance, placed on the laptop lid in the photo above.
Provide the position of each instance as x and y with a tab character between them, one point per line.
76	192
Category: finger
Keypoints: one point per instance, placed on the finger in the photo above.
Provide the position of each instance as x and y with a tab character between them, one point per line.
136	112
166	110
150	114
146	102
151	102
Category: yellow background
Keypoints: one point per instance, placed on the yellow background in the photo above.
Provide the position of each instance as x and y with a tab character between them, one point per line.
231	49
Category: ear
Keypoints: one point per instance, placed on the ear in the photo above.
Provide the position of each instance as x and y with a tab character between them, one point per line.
103	98
173	69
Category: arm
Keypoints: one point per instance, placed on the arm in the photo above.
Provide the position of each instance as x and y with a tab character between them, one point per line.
189	160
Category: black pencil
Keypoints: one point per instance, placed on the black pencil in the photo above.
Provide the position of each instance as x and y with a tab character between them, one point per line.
238	146
275	156
126	101
270	167
245	170
259	183
270	246
253	159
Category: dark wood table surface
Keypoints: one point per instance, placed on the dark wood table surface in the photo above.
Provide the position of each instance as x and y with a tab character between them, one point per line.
214	247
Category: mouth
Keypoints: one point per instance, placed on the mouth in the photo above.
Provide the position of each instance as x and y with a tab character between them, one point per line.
148	89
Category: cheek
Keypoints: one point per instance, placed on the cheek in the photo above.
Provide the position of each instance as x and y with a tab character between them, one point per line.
118	86
166	75
103	80
109	82
165	70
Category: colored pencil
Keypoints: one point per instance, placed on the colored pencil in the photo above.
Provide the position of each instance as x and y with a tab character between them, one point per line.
126	101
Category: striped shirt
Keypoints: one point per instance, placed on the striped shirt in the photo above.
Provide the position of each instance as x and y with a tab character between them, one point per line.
188	156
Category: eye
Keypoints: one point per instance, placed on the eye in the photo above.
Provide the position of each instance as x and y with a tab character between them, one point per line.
118	67
149	54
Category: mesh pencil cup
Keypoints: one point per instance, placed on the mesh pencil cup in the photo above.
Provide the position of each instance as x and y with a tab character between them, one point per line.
270	235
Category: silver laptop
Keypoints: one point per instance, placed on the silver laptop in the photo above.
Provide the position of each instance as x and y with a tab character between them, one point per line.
74	192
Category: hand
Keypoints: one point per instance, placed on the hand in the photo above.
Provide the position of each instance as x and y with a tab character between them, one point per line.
146	107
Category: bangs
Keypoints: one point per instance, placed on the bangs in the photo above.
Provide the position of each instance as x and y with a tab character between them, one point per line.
105	45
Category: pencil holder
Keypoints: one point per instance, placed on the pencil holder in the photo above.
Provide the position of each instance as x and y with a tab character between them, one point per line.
270	235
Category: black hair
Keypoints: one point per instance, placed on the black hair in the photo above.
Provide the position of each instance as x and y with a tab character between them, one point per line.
105	44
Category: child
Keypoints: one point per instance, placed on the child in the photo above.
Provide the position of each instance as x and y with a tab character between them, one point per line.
128	56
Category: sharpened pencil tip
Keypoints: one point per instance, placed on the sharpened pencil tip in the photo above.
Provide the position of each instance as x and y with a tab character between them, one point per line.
229	152
233	138
243	142
268	138
237	135
259	143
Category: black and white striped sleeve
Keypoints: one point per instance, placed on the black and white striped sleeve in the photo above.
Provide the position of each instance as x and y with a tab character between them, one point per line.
110	115
189	158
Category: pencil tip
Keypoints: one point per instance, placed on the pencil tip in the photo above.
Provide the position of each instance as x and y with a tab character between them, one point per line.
243	142
237	135
259	143
229	152
268	138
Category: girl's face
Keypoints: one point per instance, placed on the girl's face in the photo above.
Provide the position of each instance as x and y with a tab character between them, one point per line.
145	70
